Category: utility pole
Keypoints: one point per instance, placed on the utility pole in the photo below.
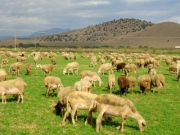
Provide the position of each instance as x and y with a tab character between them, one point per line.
15	40
35	43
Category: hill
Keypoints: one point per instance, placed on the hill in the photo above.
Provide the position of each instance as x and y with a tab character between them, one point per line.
116	33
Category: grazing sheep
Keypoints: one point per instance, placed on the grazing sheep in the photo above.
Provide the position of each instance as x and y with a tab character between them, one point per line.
153	71
111	82
10	90
130	68
15	68
123	85
144	82
3	75
115	106
132	83
104	67
61	104
4	63
53	60
93	79
172	69
28	69
83	85
52	83
48	68
150	66
87	73
120	66
73	66
158	80
78	100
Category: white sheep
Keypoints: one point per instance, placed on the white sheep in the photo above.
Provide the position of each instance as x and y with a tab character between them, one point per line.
93	79
52	83
104	67
73	66
3	75
10	90
130	68
87	73
18	83
48	68
111	82
115	106
83	85
15	68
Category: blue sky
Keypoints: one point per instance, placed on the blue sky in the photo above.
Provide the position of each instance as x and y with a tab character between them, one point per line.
28	16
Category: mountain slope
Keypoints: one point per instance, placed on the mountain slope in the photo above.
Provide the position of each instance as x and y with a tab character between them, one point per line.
48	32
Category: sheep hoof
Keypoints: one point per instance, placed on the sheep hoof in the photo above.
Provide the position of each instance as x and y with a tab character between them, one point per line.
118	127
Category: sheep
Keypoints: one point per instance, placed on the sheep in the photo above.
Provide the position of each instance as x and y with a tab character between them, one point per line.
4	63
19	83
132	83
157	80
111	82
48	68
52	83
120	66
10	90
144	82
130	68
3	75
62	94
115	106
123	85
15	68
77	100
172	69
93	79
73	66
28	69
53	60
87	73
105	66
83	85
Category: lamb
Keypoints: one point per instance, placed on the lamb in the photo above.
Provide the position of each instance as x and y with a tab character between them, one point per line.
4	63
105	66
73	66
87	73
120	66
157	80
111	82
132	83
3	75
10	90
15	68
28	69
52	83
144	82
93	79
115	106
123	85
48	68
83	85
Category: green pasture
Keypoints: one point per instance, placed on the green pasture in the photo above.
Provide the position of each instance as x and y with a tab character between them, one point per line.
37	114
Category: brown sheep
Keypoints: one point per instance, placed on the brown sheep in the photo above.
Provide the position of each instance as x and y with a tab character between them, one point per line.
144	82
115	106
120	66
123	85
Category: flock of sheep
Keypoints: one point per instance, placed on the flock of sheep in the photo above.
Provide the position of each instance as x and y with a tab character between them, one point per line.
80	96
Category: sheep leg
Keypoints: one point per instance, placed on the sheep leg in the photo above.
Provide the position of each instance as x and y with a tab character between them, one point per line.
99	121
122	124
89	116
47	92
66	114
74	110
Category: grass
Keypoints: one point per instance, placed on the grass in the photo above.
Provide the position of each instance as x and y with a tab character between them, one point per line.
37	115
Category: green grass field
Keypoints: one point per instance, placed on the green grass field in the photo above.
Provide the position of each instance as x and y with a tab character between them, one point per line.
37	114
